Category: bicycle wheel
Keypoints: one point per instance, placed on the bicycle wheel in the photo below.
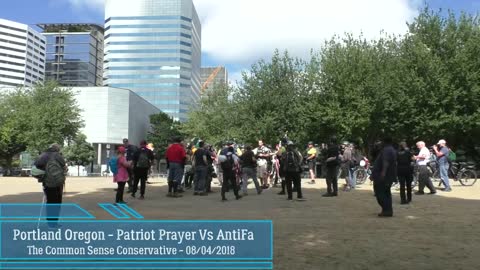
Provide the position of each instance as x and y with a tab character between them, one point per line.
468	178
360	176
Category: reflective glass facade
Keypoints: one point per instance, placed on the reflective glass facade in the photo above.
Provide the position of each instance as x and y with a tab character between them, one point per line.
74	54
152	47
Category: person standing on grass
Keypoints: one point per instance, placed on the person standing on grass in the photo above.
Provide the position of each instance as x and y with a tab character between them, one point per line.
121	177
249	170
383	175
130	150
405	172
442	151
200	165
423	172
176	158
293	169
311	161
332	162
263	154
52	162
142	161
282	149
229	162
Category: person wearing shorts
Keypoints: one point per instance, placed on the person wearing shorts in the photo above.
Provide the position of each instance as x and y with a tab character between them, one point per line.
311	161
263	154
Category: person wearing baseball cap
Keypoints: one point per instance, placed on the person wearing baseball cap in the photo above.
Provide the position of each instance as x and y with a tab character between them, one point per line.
441	151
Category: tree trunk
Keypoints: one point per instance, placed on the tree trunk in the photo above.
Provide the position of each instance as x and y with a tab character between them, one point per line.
8	166
78	170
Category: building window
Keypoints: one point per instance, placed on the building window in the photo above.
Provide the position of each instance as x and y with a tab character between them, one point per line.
12	35
153	34
151	59
12	49
12	56
12	42
12	28
148	18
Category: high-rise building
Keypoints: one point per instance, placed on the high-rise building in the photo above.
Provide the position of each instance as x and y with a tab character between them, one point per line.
213	76
153	48
22	54
74	53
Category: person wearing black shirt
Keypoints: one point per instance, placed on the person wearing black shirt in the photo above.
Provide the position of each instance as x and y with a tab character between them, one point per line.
200	163
129	153
142	161
383	175
332	162
405	172
228	167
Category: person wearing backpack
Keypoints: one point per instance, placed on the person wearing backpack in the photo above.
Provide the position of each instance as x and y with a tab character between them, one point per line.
332	162
52	162
293	169
228	163
119	166
142	161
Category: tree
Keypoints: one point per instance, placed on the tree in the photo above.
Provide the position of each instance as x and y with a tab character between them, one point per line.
53	114
216	119
13	123
79	152
164	129
423	85
33	118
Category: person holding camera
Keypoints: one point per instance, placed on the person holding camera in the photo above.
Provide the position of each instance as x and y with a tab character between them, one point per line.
441	151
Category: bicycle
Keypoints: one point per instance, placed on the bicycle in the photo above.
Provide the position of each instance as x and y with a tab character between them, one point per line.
362	172
463	172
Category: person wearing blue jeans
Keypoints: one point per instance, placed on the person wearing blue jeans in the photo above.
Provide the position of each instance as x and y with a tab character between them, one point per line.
351	177
441	151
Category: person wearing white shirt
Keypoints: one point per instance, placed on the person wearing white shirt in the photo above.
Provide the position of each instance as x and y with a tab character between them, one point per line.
424	174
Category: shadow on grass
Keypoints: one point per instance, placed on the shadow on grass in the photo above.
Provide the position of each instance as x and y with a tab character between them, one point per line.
433	232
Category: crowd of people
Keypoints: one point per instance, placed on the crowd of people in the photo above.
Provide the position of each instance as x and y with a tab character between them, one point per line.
193	166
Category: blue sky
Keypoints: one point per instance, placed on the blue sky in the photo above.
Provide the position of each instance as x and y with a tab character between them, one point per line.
235	35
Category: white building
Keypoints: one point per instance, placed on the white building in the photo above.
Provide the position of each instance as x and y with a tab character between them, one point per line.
110	115
153	47
22	54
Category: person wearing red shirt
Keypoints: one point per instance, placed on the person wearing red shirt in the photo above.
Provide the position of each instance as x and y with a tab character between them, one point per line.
175	156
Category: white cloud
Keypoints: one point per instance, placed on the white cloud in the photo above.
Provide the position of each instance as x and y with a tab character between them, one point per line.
243	31
98	5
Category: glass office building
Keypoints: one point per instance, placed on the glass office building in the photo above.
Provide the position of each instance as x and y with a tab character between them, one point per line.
152	47
74	54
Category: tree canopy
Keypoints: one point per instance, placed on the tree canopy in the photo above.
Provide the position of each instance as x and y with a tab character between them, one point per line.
423	84
33	118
